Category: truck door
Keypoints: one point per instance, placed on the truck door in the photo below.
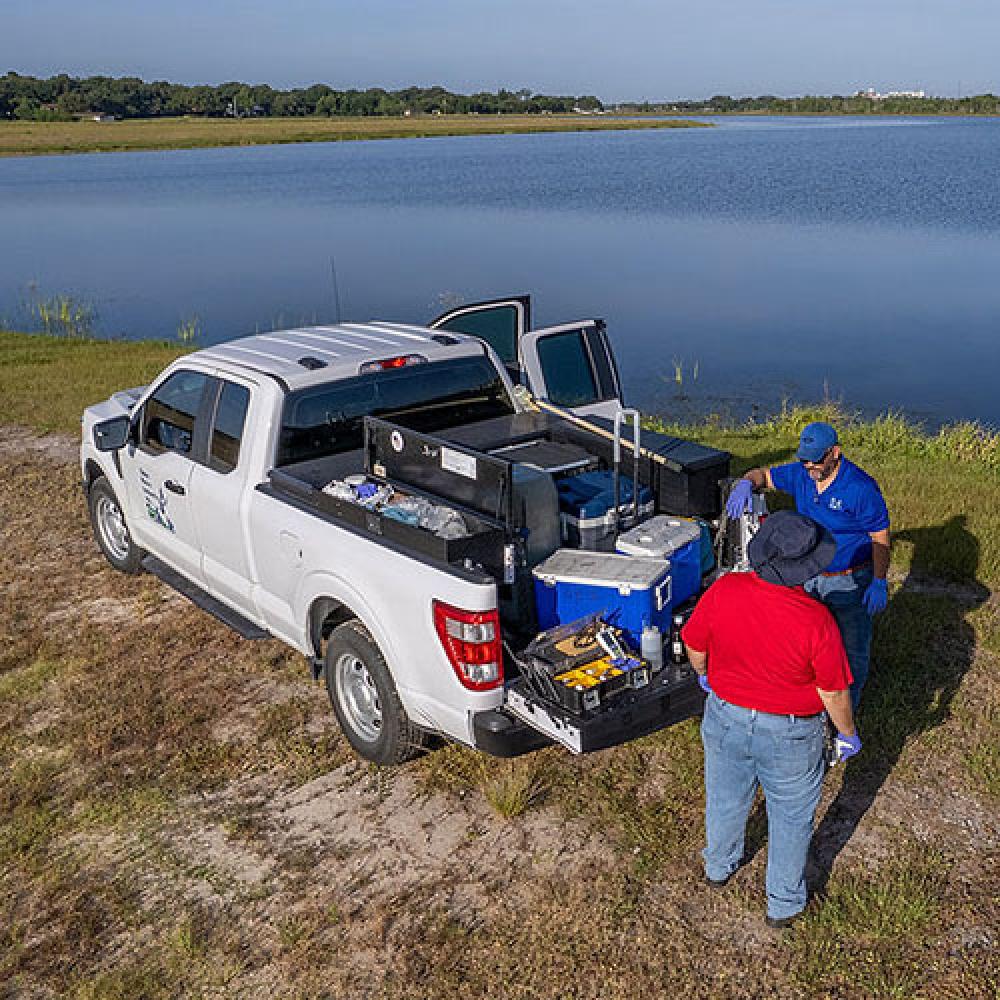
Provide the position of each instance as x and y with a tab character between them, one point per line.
158	468
500	322
220	490
572	365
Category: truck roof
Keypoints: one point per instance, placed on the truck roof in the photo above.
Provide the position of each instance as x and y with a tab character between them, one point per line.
309	355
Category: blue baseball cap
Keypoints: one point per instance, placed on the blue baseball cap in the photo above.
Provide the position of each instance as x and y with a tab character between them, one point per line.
815	441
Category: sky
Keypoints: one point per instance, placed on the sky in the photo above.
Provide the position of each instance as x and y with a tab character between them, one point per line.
623	50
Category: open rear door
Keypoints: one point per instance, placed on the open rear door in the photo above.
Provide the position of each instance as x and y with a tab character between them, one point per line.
500	322
572	365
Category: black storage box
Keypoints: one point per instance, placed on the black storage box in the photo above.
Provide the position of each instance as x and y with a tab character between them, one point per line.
483	545
687	481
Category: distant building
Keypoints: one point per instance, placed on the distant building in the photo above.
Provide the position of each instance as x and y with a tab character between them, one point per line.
93	116
873	95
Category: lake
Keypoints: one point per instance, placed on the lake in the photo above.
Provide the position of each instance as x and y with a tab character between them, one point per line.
764	260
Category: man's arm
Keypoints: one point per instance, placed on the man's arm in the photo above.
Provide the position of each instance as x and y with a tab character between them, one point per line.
697	659
880	552
838	707
760	477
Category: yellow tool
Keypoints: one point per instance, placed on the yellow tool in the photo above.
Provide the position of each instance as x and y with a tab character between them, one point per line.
589	675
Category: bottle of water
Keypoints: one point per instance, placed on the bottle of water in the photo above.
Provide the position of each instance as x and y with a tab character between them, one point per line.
651	646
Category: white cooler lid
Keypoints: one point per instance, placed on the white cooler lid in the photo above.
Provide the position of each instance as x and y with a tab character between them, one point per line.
659	536
601	569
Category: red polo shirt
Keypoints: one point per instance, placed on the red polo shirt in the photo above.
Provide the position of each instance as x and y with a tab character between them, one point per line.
769	647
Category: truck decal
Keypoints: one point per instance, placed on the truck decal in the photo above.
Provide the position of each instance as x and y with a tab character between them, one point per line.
156	502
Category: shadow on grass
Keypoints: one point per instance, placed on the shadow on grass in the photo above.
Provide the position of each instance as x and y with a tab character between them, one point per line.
923	647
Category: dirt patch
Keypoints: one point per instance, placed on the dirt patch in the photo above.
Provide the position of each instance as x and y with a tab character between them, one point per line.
388	836
59	449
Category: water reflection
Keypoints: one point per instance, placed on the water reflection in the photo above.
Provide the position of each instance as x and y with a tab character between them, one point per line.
763	260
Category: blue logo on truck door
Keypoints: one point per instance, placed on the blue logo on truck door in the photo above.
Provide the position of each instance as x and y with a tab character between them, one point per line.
156	501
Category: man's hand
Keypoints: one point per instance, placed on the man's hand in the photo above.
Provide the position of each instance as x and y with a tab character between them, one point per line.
741	498
876	596
845	747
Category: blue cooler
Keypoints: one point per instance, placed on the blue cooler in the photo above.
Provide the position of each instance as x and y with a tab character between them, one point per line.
627	591
586	508
675	538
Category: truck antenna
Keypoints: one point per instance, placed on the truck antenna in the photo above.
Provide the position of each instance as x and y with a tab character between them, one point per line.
336	287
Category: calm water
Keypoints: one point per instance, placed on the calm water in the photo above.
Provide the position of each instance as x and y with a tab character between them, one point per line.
765	259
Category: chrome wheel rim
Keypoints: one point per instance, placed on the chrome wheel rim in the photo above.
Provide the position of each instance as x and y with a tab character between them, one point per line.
111	524
358	697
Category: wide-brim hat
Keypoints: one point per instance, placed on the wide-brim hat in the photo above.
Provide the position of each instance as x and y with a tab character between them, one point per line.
789	549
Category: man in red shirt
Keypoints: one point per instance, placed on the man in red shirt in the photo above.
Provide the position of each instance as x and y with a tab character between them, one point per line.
772	661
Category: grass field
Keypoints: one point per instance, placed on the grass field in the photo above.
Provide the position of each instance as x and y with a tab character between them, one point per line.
22	138
179	815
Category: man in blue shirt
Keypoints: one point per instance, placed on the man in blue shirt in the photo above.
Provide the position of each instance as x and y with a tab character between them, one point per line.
844	499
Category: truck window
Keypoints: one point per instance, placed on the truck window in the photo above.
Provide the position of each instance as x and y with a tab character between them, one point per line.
328	419
498	327
168	418
227	428
576	371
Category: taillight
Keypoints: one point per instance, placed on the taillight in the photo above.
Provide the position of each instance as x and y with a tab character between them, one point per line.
387	363
471	641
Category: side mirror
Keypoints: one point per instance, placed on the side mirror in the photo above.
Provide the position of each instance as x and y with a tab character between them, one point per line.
110	435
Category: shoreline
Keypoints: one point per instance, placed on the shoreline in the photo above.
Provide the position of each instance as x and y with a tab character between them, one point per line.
150	355
32	138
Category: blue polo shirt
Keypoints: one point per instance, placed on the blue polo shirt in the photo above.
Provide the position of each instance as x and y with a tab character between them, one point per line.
851	507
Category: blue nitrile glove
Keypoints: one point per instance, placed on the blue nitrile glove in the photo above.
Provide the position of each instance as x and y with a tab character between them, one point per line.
876	596
703	683
740	500
846	746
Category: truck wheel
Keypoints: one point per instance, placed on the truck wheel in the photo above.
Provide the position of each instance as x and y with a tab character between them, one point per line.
365	700
108	523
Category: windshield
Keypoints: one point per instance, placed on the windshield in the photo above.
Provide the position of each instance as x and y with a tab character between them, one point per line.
328	419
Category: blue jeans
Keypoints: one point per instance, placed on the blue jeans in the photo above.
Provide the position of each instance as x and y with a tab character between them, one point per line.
843	595
784	756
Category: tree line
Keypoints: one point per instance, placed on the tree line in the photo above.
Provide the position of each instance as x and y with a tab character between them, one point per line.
62	97
857	104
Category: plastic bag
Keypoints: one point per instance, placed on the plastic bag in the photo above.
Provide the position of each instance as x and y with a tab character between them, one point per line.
446	523
339	489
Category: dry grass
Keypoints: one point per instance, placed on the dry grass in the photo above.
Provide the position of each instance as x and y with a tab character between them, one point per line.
21	138
179	816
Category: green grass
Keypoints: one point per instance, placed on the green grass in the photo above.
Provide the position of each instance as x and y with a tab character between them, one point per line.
47	381
865	935
24	138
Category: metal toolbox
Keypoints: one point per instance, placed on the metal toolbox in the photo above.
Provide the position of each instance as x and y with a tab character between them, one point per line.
485	544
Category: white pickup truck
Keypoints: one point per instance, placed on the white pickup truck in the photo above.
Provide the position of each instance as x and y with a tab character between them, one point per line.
212	477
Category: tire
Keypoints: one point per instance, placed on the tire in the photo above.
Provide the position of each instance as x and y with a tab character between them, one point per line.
365	699
107	520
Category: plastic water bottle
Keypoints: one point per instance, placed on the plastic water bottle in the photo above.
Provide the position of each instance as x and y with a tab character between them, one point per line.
651	646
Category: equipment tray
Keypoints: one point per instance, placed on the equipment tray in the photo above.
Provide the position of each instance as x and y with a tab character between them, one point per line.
672	695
